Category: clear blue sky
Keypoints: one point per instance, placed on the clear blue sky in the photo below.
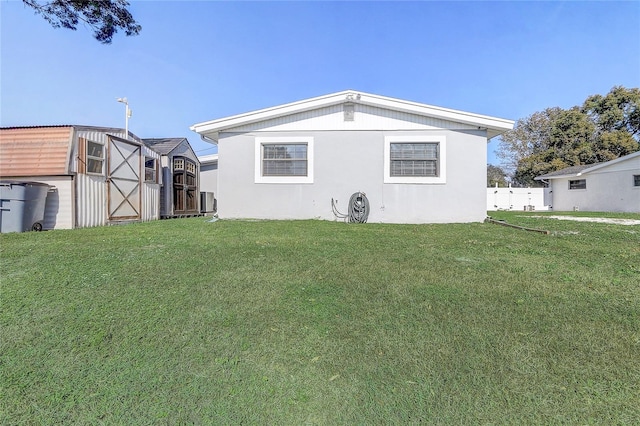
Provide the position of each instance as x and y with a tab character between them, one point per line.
202	60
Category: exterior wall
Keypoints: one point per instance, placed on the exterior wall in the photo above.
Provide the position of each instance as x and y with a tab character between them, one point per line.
350	161
150	202
150	197
516	198
209	177
59	206
609	189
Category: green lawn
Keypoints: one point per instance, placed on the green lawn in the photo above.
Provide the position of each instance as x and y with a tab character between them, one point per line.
312	322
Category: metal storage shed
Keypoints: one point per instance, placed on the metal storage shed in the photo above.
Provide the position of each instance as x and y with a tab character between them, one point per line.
98	175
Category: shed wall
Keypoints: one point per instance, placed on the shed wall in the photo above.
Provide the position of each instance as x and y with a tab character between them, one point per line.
350	161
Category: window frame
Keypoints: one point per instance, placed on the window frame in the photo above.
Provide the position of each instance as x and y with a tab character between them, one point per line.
152	171
577	184
260	142
636	181
89	158
441	165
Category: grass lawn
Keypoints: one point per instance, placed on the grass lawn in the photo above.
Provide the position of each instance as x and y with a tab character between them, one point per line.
312	322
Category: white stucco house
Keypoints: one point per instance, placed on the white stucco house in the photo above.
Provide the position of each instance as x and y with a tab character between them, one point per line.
612	186
416	163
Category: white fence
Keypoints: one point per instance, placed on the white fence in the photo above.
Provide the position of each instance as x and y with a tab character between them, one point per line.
524	199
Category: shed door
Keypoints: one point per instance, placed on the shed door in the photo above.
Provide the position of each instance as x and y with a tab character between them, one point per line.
123	180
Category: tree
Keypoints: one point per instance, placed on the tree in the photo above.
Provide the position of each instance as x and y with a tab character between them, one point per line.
619	110
529	135
495	175
602	129
106	17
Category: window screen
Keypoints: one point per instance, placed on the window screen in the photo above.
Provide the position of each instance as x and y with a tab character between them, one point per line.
284	159
414	159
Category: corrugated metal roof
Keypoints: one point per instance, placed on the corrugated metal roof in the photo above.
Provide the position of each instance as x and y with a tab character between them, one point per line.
163	145
35	151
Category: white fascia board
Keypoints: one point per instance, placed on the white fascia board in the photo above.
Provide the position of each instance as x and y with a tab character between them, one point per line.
558	176
206	159
612	162
438	112
493	125
267	113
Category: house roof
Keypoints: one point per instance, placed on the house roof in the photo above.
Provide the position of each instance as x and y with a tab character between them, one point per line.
575	171
163	145
208	159
493	125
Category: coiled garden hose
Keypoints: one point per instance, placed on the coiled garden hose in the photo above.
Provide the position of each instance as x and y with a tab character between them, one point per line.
358	208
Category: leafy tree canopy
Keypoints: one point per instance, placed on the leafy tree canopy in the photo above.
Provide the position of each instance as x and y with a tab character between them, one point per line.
602	129
105	17
495	175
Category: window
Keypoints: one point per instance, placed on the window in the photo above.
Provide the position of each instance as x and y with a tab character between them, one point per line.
578	184
95	157
178	164
284	160
415	159
150	169
636	180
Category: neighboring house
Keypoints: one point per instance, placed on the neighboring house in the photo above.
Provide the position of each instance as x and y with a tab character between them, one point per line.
416	163
180	195
97	175
612	186
208	183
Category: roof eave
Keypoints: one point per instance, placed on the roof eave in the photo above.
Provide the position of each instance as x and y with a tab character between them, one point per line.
494	126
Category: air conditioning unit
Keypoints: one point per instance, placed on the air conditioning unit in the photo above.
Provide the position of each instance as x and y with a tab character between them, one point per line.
208	202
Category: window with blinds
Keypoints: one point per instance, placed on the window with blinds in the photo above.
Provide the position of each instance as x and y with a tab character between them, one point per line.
578	184
414	159
284	159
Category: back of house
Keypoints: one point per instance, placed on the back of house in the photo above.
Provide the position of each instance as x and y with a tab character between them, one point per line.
415	163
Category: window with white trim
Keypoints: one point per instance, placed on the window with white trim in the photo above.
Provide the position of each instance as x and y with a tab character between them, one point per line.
636	180
415	159
95	157
578	184
284	160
